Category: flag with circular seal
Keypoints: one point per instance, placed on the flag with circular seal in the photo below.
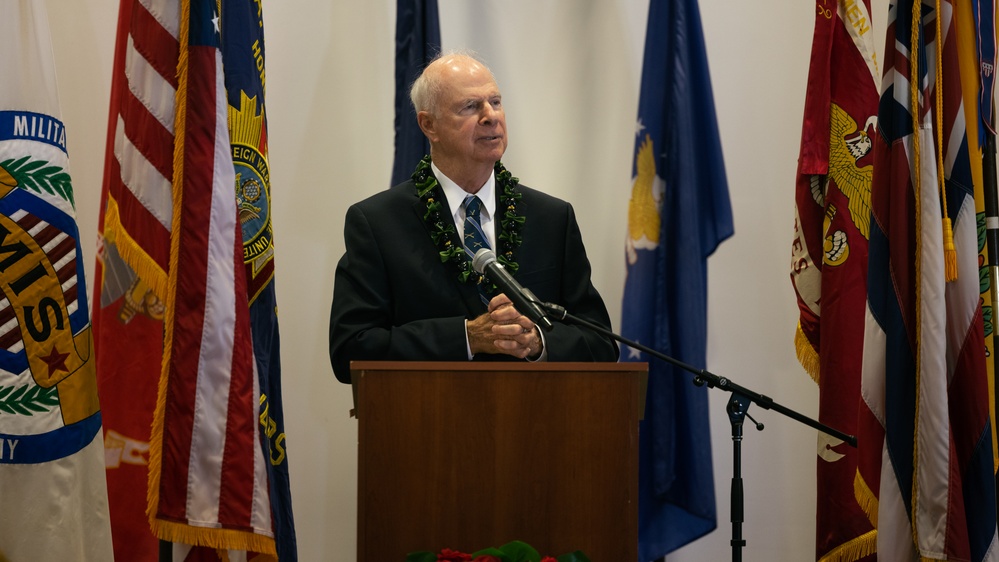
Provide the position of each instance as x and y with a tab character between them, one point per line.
51	454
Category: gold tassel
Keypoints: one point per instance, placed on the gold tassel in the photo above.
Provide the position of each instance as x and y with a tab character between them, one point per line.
950	252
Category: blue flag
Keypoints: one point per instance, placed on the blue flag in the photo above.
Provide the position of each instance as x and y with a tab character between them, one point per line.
417	41
245	80
678	214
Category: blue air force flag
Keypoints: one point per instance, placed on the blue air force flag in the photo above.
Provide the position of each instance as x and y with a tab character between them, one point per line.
678	214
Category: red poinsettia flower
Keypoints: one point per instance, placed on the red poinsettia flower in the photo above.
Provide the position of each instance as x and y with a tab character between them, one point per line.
548	559
486	558
448	555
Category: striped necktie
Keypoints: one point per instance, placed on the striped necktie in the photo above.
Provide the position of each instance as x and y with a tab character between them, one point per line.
474	238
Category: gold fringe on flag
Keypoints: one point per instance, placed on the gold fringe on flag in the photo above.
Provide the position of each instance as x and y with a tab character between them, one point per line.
131	252
807	356
866	498
852	550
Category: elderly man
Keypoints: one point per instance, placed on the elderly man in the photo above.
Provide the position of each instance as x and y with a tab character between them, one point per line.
405	288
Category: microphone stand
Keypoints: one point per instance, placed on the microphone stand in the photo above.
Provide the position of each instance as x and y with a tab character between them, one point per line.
737	408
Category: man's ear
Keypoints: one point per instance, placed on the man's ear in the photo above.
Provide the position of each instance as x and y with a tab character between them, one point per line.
427	125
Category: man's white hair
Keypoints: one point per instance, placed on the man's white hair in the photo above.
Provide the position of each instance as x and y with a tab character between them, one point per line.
428	87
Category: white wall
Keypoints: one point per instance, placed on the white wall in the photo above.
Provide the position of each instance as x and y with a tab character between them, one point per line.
569	70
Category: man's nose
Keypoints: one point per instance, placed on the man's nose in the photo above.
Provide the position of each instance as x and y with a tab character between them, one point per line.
488	114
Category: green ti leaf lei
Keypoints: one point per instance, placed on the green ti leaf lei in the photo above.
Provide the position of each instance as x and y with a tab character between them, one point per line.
445	236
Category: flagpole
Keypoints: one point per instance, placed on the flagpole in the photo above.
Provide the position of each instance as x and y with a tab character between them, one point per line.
992	245
737	410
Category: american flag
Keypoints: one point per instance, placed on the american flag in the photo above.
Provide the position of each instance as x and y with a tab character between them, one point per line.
925	472
170	212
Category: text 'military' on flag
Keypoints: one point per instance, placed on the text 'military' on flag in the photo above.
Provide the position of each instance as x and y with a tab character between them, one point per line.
925	471
678	214
243	56
417	41
52	485
829	256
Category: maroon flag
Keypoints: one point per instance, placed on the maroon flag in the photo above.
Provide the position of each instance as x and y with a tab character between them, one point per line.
829	256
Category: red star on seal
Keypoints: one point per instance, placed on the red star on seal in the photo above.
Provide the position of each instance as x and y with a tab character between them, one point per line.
56	361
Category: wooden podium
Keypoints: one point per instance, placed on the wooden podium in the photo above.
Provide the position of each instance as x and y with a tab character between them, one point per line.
472	455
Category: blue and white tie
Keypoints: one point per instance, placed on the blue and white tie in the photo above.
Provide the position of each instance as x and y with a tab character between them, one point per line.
474	238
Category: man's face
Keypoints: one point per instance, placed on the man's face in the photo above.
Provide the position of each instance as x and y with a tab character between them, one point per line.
471	125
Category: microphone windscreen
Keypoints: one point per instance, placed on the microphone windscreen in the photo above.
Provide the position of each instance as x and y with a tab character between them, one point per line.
481	259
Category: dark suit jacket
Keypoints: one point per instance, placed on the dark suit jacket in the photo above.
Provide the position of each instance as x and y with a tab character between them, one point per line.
393	298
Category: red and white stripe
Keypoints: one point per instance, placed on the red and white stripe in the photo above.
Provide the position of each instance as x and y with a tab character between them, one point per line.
176	224
924	373
140	170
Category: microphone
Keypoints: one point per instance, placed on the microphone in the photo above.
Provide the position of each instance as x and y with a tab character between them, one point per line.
484	262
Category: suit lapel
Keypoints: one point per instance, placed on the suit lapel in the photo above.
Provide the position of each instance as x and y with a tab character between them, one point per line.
467	292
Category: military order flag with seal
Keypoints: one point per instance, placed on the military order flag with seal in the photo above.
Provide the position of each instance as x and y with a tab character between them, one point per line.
925	470
678	214
52	488
243	55
829	256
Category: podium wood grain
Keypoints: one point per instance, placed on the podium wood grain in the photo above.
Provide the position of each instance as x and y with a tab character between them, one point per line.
470	455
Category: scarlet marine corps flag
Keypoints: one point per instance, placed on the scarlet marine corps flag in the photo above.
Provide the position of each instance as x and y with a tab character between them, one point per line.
829	256
130	274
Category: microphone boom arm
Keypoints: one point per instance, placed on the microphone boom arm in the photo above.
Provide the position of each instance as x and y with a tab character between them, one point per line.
702	376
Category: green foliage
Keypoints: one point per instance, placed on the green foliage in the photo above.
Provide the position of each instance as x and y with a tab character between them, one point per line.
39	177
987	317
980	229
27	399
514	551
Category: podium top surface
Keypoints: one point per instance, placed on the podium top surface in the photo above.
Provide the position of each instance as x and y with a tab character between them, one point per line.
494	366
449	369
